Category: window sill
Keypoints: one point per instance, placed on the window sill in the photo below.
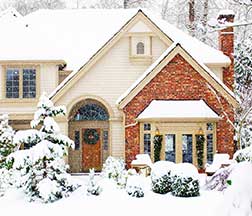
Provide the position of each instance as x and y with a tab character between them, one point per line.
18	100
141	58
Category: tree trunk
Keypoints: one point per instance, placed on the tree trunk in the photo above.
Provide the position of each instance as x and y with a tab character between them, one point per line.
204	18
125	4
192	17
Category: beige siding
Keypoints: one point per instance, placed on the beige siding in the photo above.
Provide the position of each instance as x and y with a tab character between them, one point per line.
48	77
110	78
1	82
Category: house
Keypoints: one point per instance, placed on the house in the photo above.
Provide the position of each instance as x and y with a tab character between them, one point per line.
123	75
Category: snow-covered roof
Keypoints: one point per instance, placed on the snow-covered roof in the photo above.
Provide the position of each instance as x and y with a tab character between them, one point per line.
184	109
76	35
160	59
226	12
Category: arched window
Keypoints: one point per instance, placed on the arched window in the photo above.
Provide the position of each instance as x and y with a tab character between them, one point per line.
91	112
140	48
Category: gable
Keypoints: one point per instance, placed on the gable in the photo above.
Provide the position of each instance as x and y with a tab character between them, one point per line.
165	59
142	24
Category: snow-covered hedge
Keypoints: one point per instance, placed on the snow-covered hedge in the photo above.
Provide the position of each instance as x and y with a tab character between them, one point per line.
135	186
185	181
161	177
243	154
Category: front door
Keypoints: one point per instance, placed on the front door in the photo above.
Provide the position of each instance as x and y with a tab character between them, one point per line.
91	150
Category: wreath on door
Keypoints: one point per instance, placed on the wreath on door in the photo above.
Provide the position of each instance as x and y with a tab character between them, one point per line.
91	136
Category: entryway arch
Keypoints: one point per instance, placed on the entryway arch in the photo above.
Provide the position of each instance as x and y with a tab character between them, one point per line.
89	126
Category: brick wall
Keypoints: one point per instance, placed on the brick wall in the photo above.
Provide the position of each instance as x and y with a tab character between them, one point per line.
176	81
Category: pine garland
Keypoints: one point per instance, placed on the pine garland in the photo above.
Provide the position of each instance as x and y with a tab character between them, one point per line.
200	140
157	147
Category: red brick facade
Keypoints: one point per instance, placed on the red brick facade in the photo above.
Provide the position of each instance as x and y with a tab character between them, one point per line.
176	81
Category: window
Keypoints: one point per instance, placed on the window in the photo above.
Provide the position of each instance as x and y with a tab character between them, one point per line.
91	112
187	141
147	144
21	83
77	140
210	142
105	140
147	126
29	83
140	48
12	83
170	149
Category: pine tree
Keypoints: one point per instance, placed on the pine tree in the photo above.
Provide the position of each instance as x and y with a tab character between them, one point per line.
42	169
6	139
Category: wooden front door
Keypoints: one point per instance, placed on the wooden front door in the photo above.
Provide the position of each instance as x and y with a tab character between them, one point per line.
91	150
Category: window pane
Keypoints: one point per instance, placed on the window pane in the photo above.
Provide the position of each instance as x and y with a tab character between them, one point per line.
12	83
29	83
105	140
77	140
140	48
147	144
170	149
187	148
210	150
147	126
210	126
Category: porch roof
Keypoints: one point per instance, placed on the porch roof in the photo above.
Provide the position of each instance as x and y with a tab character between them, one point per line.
181	110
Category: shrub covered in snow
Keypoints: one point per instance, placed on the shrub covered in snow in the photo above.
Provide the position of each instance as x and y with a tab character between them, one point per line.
6	139
243	154
42	169
134	186
6	179
185	181
238	196
161	177
93	187
114	168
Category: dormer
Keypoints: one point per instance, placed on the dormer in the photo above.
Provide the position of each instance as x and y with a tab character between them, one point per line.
140	43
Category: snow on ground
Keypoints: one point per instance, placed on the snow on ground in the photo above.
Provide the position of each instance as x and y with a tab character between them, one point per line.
114	201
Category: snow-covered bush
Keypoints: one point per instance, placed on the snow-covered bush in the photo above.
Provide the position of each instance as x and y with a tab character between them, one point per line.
243	154
161	178
238	196
219	181
114	168
186	181
42	169
134	186
6	139
93	187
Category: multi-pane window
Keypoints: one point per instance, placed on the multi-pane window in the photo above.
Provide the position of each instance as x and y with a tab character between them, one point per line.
210	142
12	83
20	83
77	140
147	138
29	83
140	48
